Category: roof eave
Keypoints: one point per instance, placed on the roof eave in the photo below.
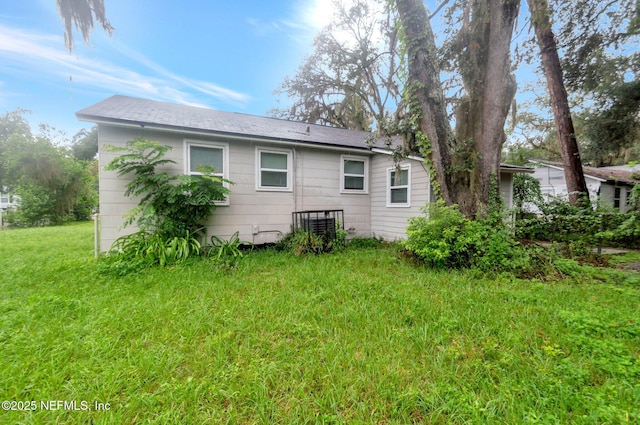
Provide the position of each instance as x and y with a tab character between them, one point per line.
202	132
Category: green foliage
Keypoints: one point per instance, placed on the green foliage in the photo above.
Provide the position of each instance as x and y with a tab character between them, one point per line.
85	144
351	84
228	253
562	222
365	243
35	206
438	238
170	205
53	186
321	337
526	189
155	248
445	238
302	242
170	212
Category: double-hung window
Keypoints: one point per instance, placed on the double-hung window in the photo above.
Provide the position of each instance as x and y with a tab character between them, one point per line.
273	169
399	186
208	156
616	197
354	172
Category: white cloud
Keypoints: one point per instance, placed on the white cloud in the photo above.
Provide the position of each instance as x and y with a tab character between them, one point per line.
43	56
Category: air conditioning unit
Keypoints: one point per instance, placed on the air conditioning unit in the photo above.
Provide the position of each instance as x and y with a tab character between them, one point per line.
325	227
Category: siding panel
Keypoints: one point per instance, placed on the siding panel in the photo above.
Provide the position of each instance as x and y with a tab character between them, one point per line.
259	216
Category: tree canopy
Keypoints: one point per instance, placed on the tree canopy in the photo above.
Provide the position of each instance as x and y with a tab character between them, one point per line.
53	187
352	79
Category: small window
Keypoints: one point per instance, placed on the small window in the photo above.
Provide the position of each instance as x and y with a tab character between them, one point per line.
274	170
354	171
616	197
200	155
399	187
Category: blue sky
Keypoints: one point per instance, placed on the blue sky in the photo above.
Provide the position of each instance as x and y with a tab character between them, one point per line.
227	55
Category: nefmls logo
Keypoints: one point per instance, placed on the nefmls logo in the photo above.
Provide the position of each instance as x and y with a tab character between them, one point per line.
73	405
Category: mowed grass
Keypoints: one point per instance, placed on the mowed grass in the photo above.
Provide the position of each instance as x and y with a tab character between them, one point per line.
356	337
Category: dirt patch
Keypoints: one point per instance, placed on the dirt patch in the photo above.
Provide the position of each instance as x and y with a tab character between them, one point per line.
630	266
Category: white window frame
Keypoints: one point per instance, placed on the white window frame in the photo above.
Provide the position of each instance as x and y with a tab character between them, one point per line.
365	160
407	204
188	143
259	169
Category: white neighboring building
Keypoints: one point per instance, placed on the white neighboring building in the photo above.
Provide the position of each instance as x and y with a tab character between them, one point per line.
612	185
8	201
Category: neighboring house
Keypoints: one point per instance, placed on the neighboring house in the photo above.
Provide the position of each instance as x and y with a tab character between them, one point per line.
8	201
612	185
278	167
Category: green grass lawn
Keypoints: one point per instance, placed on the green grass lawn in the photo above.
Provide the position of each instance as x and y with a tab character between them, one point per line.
355	337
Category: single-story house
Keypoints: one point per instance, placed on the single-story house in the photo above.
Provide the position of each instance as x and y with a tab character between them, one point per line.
278	167
611	185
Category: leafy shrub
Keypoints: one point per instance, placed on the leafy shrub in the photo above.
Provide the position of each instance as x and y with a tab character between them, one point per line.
438	238
227	253
560	221
301	242
155	248
170	205
627	231
171	209
445	238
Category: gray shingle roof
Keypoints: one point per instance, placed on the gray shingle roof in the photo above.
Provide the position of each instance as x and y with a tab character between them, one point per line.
610	174
124	110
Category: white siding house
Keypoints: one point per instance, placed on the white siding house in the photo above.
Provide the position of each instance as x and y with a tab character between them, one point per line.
278	167
611	185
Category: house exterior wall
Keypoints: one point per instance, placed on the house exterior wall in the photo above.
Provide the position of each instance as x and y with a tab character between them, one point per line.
390	222
260	216
552	182
620	199
263	216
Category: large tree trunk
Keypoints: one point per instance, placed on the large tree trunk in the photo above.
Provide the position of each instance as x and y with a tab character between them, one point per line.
467	163
569	152
425	89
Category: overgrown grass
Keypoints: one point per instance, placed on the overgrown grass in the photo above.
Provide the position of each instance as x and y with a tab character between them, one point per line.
354	337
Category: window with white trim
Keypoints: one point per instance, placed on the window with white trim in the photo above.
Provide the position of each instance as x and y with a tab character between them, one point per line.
273	169
399	186
212	155
354	171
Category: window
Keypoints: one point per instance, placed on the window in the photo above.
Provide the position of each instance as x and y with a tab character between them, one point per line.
616	197
273	169
212	155
355	172
399	187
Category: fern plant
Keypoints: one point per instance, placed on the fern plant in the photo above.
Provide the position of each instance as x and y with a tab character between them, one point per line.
171	205
171	209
